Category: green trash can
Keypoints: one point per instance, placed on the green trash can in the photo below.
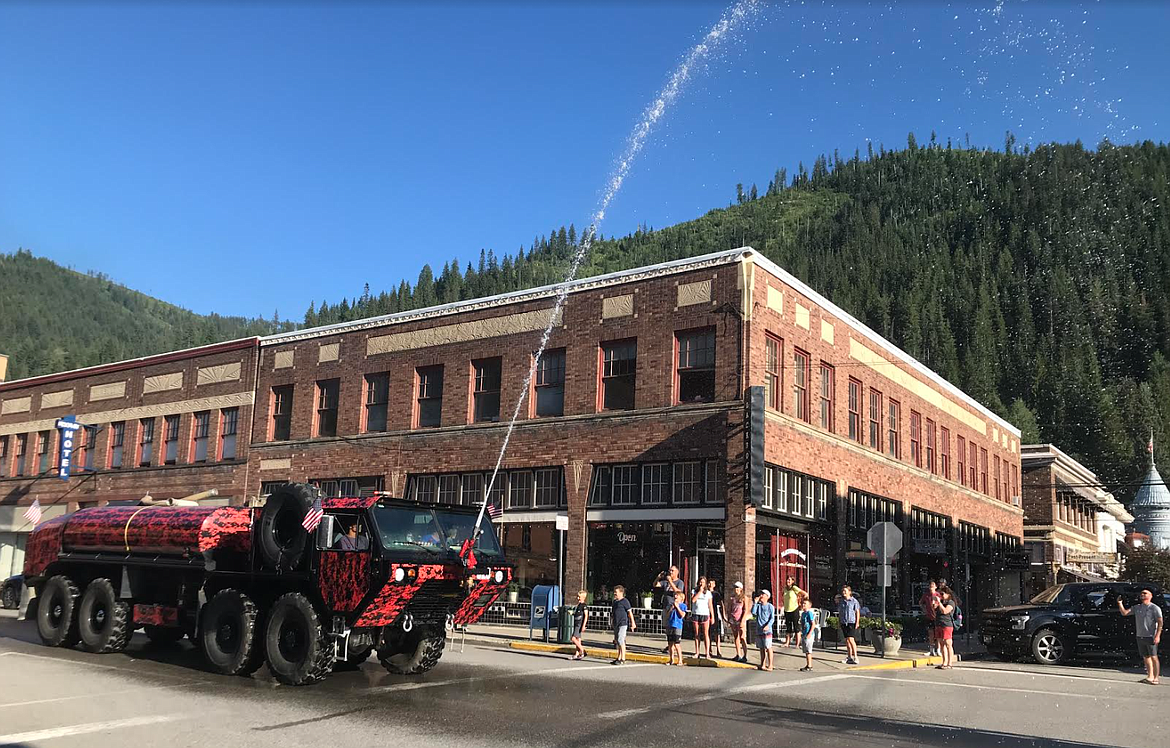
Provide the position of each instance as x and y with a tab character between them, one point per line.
565	621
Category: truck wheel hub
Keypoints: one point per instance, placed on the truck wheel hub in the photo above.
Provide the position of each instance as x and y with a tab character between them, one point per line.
225	635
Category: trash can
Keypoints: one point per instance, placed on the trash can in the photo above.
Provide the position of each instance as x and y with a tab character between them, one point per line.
565	621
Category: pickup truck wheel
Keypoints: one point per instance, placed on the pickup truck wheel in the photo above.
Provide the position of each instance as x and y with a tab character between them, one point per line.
227	633
417	655
298	649
56	612
163	634
10	597
103	621
1049	647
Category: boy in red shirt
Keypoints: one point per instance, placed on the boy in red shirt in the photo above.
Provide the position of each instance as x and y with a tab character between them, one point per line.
927	606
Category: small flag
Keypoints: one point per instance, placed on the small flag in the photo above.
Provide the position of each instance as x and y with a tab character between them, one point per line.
494	511
313	516
1150	446
33	513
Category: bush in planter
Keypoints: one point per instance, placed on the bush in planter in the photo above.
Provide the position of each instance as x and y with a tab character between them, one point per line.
892	630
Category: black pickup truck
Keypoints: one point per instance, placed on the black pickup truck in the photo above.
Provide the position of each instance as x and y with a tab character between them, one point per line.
1067	620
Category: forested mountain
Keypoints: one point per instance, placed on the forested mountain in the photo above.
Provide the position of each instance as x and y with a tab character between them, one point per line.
1036	280
54	319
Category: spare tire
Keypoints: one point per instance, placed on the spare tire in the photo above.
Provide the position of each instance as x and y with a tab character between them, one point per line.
280	537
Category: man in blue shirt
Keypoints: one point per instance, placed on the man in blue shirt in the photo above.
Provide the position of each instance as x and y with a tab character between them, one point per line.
849	615
765	614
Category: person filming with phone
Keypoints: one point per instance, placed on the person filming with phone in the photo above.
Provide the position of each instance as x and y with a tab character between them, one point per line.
1148	618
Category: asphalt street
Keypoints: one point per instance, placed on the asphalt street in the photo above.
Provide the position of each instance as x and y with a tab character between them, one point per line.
492	697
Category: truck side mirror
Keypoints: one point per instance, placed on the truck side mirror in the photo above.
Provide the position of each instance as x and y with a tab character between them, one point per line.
325	532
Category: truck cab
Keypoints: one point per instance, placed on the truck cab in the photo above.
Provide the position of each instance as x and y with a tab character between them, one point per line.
1067	620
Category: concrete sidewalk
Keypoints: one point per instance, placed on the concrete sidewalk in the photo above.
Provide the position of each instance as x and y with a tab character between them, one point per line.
640	648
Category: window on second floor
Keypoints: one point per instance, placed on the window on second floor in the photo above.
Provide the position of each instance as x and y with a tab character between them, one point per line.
944	452
430	396
983	471
855	410
117	437
961	454
328	396
88	446
875	419
145	441
21	453
773	352
619	366
377	401
3	456
230	418
488	374
998	480
828	396
549	384
696	366
282	404
973	467
43	441
894	430
916	438
931	447
800	376
170	439
200	432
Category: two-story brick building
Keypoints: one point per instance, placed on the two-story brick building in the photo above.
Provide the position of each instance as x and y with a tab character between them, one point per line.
166	425
633	427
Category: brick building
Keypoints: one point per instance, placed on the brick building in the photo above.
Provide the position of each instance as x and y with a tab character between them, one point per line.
166	425
635	424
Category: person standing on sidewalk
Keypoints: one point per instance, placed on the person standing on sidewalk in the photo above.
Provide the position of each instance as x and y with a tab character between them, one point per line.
926	604
580	617
764	614
623	620
944	620
849	616
1148	618
671	587
737	610
792	596
717	617
701	617
678	613
809	629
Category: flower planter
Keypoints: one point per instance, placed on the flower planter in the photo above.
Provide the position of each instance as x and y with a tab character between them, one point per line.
887	645
513	596
648	602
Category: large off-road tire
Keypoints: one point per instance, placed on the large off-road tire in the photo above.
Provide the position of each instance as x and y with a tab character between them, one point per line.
280	538
163	634
1049	647
415	655
297	647
103	621
227	633
57	612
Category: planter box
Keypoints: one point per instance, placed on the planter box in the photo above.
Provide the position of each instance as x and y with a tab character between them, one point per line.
889	645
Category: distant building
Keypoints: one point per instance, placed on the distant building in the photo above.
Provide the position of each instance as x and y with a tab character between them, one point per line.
3	367
1073	530
1151	507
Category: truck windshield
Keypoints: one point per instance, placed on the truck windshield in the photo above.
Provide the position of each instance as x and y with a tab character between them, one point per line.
401	528
1055	594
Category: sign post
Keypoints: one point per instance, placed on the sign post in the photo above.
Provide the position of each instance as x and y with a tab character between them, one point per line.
885	540
562	525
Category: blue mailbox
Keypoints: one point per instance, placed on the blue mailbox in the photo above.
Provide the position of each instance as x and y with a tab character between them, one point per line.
546	598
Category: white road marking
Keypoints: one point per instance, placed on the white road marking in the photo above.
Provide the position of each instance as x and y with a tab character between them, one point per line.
86	663
501	676
1029	674
84	729
102	694
712	695
1006	689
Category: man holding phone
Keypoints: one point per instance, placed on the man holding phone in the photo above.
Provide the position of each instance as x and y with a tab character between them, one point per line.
1148	618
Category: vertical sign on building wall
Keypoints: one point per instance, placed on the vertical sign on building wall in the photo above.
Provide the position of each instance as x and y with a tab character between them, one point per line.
67	426
753	437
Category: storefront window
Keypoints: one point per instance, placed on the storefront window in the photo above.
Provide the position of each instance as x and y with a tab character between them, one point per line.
630	554
524	489
533	549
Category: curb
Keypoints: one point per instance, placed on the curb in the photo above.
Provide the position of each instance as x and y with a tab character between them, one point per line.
902	664
609	654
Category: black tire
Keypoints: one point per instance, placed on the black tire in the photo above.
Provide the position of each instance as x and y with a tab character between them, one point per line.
1049	647
280	537
416	655
57	612
103	621
298	650
227	633
11	599
163	634
355	659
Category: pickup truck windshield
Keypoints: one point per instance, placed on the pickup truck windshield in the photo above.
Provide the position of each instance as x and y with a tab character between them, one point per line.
402	528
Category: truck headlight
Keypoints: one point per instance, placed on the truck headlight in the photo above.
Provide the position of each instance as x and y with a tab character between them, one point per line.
1019	623
399	574
499	576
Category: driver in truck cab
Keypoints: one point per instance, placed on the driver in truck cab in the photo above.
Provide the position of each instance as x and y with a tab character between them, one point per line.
353	540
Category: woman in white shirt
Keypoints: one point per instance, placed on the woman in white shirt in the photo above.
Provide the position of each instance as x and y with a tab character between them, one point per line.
701	616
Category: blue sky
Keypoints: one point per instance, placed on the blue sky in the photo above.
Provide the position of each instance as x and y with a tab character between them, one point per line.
243	158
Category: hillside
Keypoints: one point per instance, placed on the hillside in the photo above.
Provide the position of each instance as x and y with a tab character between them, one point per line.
55	319
1036	280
